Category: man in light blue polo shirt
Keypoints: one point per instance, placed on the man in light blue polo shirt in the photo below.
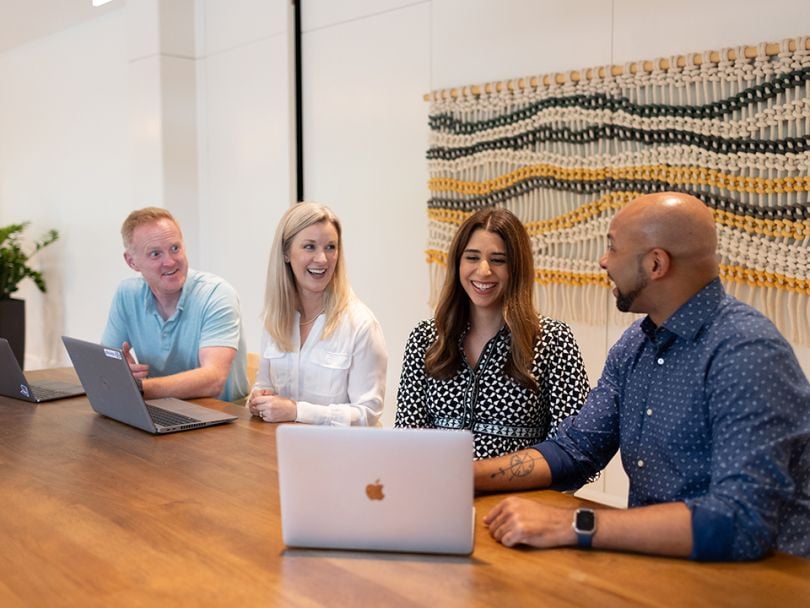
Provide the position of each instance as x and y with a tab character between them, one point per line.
183	325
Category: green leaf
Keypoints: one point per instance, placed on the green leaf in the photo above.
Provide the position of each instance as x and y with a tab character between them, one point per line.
14	260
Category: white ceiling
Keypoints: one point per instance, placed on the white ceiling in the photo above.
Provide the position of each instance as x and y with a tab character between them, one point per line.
22	21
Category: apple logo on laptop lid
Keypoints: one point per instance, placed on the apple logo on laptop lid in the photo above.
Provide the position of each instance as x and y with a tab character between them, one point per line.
375	490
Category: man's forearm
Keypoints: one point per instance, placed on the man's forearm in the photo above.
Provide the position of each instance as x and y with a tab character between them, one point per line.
522	470
208	380
200	382
664	529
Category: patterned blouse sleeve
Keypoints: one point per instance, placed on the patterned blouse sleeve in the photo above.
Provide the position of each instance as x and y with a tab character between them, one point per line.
565	376
412	409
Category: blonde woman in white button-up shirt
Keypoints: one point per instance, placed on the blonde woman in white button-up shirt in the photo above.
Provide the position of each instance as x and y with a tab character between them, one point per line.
323	357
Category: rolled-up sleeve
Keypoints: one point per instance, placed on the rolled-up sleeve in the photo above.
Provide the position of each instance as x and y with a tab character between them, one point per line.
759	428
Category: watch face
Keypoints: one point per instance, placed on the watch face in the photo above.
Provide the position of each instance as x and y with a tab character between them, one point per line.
585	520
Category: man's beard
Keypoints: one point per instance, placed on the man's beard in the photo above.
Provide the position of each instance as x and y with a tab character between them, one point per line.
625	300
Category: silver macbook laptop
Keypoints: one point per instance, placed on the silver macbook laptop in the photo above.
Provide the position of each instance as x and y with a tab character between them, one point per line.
112	391
376	489
13	382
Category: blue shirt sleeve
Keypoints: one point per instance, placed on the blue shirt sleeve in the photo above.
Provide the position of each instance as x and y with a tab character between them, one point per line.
115	333
221	323
758	410
585	443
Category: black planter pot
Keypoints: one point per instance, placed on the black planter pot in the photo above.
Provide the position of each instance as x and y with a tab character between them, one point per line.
12	326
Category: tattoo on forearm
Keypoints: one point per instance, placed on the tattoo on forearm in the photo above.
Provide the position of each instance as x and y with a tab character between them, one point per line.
521	464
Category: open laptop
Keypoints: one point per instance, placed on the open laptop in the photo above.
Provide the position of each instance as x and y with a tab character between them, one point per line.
13	382
376	489
113	392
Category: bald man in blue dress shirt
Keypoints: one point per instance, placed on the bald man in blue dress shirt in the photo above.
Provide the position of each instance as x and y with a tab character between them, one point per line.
703	396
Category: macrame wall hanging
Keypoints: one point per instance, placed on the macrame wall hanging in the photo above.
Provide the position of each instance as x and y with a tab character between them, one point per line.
564	152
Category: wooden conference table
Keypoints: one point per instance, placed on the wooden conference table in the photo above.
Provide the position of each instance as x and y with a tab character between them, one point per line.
97	513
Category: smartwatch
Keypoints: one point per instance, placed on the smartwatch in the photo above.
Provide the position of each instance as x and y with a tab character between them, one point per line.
584	526
139	384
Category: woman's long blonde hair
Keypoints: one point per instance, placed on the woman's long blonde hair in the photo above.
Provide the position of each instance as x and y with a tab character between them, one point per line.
281	294
443	357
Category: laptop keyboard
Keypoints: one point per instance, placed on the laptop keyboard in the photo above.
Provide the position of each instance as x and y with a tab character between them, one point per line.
167	418
47	393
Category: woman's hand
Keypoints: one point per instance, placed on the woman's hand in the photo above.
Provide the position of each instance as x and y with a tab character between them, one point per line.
270	407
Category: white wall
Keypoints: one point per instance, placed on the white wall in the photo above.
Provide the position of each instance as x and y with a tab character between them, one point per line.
65	164
645	29
475	41
74	157
245	146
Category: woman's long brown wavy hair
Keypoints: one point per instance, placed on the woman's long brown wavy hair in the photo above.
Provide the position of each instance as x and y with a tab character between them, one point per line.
443	357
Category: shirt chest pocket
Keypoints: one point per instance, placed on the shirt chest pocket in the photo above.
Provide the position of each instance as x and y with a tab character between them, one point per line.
280	368
328	373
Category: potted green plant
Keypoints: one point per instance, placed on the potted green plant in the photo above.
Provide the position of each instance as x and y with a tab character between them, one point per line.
13	269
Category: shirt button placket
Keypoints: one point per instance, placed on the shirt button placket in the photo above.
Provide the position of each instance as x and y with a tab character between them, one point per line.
649	412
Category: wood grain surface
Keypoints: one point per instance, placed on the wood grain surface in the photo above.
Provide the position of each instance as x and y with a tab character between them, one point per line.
96	513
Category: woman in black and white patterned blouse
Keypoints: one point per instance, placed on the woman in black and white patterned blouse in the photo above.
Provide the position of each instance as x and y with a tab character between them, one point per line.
487	361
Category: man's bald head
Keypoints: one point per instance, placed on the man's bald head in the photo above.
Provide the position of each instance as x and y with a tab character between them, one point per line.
662	249
678	223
